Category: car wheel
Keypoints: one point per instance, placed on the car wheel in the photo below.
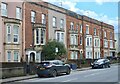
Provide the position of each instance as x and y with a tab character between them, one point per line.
54	73
39	76
68	71
92	67
108	66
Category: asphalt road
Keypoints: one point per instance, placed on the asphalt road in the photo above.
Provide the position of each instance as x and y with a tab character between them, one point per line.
92	75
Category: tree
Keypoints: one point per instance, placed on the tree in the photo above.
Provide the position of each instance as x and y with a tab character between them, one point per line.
118	53
49	50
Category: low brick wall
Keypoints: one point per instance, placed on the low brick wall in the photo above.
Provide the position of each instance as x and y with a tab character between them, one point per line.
12	72
12	69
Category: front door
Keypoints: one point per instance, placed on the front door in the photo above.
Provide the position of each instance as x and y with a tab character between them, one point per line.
32	57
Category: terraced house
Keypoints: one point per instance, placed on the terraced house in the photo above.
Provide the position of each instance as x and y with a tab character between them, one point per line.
10	31
35	28
27	28
75	35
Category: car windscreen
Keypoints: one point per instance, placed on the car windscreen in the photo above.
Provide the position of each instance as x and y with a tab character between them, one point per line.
100	60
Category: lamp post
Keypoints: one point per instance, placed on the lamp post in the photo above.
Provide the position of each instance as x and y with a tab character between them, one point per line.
56	51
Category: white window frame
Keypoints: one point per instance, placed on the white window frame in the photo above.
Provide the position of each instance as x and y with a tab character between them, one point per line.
111	35
105	43
77	26
37	36
71	26
43	35
80	28
16	58
74	39
60	36
40	38
74	55
54	21
105	34
87	29
95	31
62	23
88	41
9	33
15	34
89	55
80	40
33	15
71	39
9	57
43	18
3	9
18	13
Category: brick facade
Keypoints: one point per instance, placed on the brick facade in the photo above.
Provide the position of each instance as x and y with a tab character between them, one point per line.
73	37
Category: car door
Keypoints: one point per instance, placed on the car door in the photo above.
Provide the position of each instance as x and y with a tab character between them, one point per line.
62	66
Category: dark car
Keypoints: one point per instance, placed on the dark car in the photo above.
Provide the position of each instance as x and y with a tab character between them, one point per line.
52	68
101	63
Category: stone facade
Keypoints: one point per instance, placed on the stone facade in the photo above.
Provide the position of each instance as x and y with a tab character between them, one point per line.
11	32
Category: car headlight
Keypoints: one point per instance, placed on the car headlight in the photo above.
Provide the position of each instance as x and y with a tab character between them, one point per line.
101	63
91	63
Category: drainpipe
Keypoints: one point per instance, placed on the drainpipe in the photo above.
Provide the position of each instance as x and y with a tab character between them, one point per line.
83	37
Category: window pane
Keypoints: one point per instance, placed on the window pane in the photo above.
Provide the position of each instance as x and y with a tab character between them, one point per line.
80	40
15	33
87	41
94	31
15	38
32	16
9	56
80	28
87	29
71	25
42	36
3	9
16	54
43	19
54	21
61	23
18	13
8	33
37	36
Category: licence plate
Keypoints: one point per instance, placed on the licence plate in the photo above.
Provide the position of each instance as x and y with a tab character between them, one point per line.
42	68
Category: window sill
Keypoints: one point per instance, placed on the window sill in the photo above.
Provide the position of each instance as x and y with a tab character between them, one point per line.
11	43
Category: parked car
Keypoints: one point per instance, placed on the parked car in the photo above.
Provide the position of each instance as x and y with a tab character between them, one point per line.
101	63
52	68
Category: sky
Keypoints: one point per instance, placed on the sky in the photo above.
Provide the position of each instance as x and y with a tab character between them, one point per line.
102	10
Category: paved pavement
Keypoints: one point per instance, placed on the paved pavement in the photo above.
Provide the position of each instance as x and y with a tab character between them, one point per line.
7	80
